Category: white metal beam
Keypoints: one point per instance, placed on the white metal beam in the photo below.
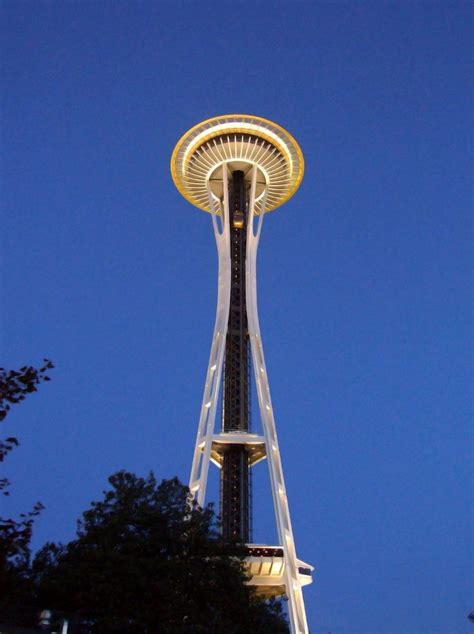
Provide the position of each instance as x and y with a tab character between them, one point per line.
296	607
202	449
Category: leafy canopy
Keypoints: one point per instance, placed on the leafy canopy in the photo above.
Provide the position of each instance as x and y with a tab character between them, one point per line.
15	534
146	560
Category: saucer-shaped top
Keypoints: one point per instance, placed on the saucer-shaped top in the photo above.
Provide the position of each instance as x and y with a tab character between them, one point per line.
240	141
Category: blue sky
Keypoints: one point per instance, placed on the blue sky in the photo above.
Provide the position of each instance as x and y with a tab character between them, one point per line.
364	276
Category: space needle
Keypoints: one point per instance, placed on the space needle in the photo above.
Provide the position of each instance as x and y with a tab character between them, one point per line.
238	168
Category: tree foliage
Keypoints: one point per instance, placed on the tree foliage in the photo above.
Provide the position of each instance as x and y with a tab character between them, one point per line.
145	560
16	384
15	535
14	387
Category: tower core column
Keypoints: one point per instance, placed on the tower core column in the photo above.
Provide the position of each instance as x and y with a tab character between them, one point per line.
235	482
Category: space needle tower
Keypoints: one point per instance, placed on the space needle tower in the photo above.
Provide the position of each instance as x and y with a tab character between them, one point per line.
238	168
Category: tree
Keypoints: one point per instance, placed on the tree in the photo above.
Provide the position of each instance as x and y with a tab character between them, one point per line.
14	386
146	560
15	535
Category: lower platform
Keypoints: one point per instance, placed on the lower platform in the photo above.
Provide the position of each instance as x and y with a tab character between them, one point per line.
254	445
266	565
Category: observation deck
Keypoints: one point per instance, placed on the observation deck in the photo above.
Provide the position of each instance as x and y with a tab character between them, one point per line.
241	141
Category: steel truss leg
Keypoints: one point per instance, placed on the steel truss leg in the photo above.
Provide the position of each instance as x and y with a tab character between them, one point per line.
202	450
294	592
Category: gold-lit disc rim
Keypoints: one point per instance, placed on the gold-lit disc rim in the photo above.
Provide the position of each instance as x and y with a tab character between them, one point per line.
264	128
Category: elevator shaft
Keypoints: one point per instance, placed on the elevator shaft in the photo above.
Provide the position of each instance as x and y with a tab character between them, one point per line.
235	483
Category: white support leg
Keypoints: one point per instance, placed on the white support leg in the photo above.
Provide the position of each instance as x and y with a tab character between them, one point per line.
296	607
202	450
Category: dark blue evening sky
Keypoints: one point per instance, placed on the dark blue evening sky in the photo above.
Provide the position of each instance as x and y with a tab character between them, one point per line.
364	276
